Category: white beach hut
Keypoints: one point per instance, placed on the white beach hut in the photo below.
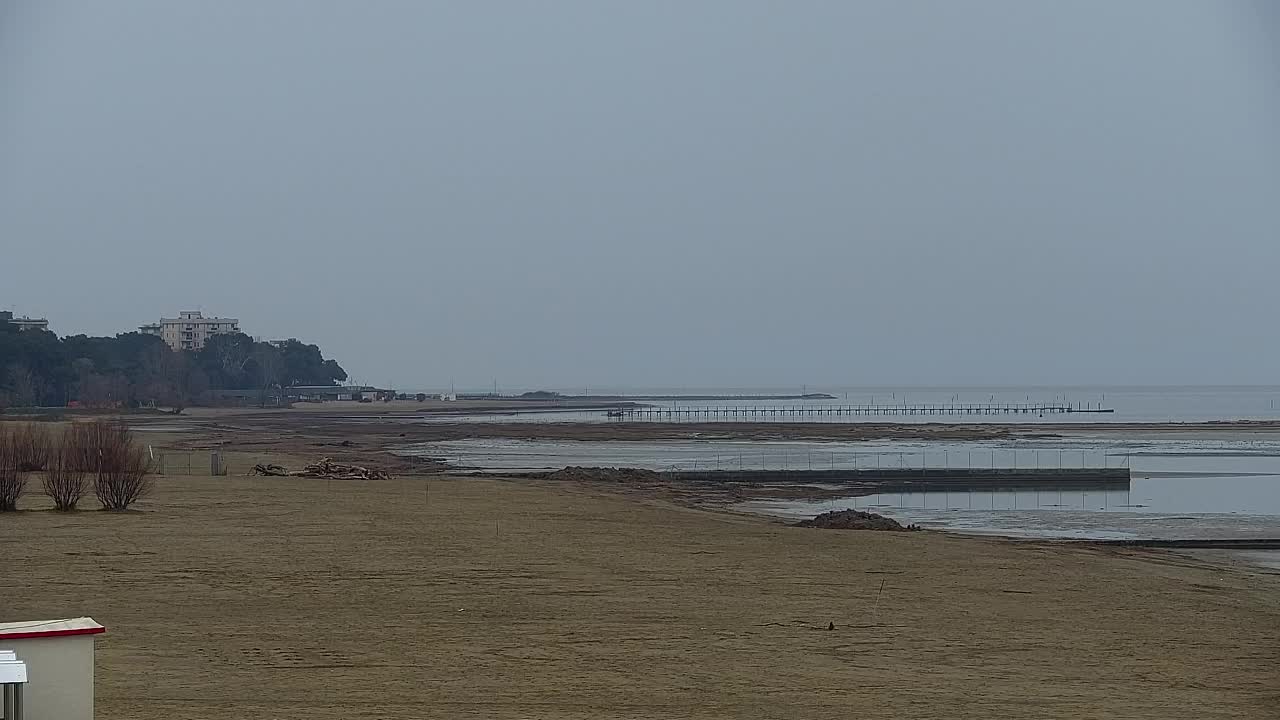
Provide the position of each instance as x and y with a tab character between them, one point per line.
57	659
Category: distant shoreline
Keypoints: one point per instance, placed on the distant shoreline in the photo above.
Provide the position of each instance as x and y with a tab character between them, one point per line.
695	398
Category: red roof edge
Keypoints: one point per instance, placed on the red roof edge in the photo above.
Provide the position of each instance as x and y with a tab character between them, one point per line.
51	633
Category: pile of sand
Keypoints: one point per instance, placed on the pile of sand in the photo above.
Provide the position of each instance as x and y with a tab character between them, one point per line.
854	520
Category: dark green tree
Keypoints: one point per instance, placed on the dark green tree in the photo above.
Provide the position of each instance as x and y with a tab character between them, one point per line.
305	365
132	369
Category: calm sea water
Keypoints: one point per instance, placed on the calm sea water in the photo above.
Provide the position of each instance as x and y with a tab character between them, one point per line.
1185	485
1198	455
1207	484
1131	404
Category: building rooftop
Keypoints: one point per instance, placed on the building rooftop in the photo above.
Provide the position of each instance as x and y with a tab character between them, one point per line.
49	628
190	316
8	315
12	670
24	322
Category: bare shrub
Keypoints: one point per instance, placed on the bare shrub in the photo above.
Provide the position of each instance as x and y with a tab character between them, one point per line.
12	481
64	476
76	443
33	444
84	441
120	465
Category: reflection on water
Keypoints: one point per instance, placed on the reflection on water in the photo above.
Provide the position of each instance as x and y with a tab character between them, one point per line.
1265	558
1164	508
1043	499
1053	523
1171	507
679	455
1253	495
1213	457
1183	486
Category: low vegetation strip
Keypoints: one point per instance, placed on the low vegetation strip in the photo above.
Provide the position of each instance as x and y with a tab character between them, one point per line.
104	453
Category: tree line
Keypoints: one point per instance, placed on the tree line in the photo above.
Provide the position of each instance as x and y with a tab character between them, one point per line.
37	368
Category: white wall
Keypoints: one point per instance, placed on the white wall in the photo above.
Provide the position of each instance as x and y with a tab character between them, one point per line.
59	676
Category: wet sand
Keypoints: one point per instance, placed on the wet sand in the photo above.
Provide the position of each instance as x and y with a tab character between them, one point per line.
441	597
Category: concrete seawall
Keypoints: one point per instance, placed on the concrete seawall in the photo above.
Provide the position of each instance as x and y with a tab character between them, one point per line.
895	479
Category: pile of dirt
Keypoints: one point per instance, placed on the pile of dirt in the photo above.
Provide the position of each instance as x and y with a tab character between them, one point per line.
854	520
574	473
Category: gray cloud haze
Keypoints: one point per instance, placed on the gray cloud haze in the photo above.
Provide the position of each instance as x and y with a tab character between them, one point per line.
721	192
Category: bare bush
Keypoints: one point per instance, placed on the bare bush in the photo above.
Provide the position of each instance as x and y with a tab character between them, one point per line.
120	465
12	481
82	441
65	480
33	444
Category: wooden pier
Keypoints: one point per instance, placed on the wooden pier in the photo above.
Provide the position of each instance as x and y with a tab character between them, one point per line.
756	412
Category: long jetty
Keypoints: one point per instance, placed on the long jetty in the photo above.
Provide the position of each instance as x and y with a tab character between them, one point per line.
749	412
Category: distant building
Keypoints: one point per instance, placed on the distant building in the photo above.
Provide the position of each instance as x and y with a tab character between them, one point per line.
24	322
330	393
190	330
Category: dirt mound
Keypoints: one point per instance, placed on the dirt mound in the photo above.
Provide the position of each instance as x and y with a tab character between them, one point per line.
854	520
574	473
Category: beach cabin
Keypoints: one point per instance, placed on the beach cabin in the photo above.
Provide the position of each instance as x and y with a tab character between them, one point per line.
57	668
13	679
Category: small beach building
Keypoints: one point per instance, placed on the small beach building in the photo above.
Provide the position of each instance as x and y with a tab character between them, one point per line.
13	680
57	656
331	393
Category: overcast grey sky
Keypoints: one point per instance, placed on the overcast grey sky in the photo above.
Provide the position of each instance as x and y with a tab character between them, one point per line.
721	192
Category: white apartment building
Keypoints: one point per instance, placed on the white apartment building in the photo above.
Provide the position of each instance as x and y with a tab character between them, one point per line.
190	330
24	322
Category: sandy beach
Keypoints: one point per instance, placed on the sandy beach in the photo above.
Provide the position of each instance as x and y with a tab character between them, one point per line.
431	596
